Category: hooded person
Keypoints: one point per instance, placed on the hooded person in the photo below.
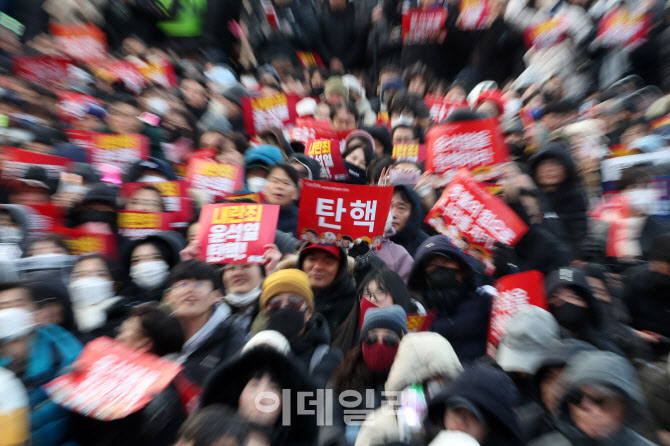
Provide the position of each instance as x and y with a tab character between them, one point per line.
274	136
382	138
307	167
357	157
600	397
13	231
259	160
424	359
394	255
447	280
480	402
55	302
262	374
287	302
408	216
152	170
556	175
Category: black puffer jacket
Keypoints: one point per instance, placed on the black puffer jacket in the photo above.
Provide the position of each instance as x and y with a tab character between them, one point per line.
340	36
313	351
411	236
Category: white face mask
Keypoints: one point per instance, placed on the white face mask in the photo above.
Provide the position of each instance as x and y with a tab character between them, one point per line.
90	290
150	275
256	184
642	200
151	179
10	235
239	300
402	120
158	106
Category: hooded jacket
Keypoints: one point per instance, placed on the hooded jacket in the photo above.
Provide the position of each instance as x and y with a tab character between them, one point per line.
395	256
340	36
646	297
463	315
597	368
20	215
313	352
569	199
411	236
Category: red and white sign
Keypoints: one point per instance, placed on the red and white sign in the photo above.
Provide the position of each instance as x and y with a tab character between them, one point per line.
420	26
441	107
309	59
310	129
474	219
121	70
329	211
548	33
514	292
236	233
111	381
175	199
477	145
138	225
262	112
16	162
474	14
214	179
46	217
45	70
329	155
72	106
80	41
409	152
157	71
81	242
621	28
116	149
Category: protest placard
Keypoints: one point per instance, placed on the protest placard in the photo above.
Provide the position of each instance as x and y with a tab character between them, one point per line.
441	107
73	106
137	225
623	28
474	14
409	152
80	41
329	155
45	218
81	242
16	162
262	112
236	233
214	179
310	129
120	150
46	70
176	199
121	70
421	26
548	33
309	59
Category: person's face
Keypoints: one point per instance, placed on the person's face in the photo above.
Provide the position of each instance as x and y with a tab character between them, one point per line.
553	121
402	210
357	158
595	413
379	147
343	121
322	111
456	93
145	253
192	232
550	388
229	155
195	94
29	195
488	109
145	200
191	298
88	123
241	278
403	135
133	47
6	221
280	189
90	268
417	86
211	140
550	173
122	118
43	247
441	261
321	268
257	172
288	300
566	295
632	133
17	298
337	5
261	393
19	352
132	335
175	120
303	173
463	420
599	289
378	294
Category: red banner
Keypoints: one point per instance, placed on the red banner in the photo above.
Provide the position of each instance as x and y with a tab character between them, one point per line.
175	198
116	149
72	106
157	71
474	14
421	26
16	162
46	217
309	59
236	233
214	179
621	28
330	211
310	129
409	152
116	70
81	41
45	70
329	156
477	145
81	242
138	225
548	33
417	323
261	112
111	381
514	292
474	219
441	107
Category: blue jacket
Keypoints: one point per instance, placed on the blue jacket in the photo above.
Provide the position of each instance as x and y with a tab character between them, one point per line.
52	348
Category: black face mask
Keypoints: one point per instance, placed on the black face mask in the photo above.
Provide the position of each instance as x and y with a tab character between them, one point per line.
570	316
356	174
516	149
317	91
96	216
286	321
443	278
173	134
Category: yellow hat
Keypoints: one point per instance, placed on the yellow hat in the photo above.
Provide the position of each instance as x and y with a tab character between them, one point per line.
287	281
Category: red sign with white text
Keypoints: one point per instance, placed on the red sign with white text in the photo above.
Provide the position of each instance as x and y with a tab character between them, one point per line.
80	41
328	154
121	70
236	233
72	106
420	26
441	107
548	33
16	162
46	217
111	381
176	199
514	292
214	179
116	149
81	242
474	14
138	225
621	28
330	211
157	71
45	70
310	129
261	112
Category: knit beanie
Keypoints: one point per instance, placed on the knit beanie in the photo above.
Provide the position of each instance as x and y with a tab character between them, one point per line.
334	84
392	318
287	281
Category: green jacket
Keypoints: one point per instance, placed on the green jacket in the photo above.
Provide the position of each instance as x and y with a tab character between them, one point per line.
188	20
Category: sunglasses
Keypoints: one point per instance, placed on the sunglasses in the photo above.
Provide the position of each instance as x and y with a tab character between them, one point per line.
294	303
577	397
388	339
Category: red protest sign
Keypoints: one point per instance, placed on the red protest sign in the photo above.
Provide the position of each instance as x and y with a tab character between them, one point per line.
120	150
157	71
111	380
330	211
236	233
418	322
409	152
72	106
474	14
441	107
46	217
214	178
176	199
16	162
421	26
329	156
45	70
309	59
81	242
80	41
548	33
137	225
255	197
261	112
621	28
310	129
477	145
117	70
514	292
474	219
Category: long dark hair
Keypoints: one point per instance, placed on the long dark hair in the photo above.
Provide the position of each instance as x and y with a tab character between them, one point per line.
347	335
354	374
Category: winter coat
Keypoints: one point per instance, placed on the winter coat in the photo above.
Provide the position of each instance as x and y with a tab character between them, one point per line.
340	36
385	42
597	368
463	315
313	352
421	357
647	300
395	256
502	43
52	349
288	220
411	236
215	35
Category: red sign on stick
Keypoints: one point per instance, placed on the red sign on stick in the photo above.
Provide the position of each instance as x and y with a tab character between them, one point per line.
310	129
477	145
175	199
421	26
111	381
409	152
261	112
441	107
474	219
81	41
236	233
157	70
329	156
81	242
121	70
474	14
116	149
547	34
309	59
330	211
213	178
47	216
137	225
621	28
16	162
45	70
514	292
73	106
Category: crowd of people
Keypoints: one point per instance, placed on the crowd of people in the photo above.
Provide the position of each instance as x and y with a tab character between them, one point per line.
315	345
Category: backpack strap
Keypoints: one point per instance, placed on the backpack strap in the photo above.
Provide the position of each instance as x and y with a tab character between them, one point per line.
319	353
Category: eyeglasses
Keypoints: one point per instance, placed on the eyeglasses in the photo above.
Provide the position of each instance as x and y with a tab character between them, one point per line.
275	180
377	296
293	302
577	398
196	285
387	339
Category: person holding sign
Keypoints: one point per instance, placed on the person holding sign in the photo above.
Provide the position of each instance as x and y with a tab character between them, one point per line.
282	188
